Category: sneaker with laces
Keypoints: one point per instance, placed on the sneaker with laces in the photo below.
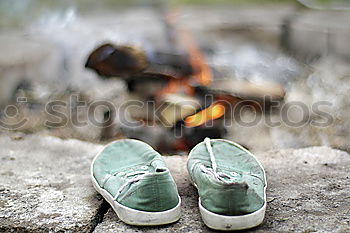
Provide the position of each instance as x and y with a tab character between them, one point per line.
135	181
231	184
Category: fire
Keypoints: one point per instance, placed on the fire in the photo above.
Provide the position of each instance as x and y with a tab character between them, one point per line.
202	72
214	111
177	86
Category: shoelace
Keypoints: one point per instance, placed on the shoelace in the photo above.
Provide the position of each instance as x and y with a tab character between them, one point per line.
222	177
134	179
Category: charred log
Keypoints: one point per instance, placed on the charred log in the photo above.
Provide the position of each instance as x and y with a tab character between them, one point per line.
129	62
116	61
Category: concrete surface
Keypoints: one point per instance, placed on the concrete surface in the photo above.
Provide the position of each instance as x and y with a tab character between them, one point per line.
45	187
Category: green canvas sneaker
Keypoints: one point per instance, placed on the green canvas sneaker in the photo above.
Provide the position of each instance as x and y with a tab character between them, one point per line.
231	184
135	181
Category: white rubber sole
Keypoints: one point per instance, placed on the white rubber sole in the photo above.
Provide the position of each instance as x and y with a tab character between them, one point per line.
231	223
136	217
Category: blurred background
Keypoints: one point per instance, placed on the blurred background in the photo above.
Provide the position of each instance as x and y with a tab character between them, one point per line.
297	51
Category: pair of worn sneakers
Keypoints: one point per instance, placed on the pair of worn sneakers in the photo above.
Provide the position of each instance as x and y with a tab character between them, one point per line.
136	182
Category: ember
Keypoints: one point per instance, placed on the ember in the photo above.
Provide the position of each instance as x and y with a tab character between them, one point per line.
214	111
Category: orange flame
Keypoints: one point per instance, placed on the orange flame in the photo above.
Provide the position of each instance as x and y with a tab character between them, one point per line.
202	72
214	111
177	86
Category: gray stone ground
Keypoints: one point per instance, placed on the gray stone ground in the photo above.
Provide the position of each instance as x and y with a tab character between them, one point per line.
45	187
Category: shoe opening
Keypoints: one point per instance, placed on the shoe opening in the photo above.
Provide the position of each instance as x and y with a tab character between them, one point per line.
161	169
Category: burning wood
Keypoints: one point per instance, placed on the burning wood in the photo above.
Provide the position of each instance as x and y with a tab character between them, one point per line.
109	60
177	107
178	83
213	112
248	90
129	62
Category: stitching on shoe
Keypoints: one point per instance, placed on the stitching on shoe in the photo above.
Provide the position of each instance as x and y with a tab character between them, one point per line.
128	194
105	179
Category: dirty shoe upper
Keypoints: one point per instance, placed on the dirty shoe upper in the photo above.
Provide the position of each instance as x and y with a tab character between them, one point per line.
136	176
229	178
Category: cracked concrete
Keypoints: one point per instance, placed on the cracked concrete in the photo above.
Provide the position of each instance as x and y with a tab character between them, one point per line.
45	187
